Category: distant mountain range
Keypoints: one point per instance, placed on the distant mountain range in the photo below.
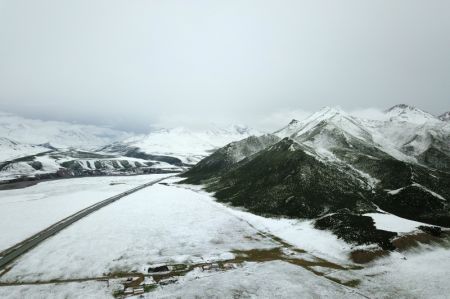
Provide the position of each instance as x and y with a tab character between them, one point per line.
56	133
36	149
335	168
180	145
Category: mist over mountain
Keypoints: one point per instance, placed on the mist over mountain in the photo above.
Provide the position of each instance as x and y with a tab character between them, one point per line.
151	63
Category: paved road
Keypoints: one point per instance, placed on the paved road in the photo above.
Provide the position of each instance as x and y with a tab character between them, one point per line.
10	254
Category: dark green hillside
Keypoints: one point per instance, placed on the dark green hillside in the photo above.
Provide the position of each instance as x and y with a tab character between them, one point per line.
356	229
436	158
285	180
222	159
415	203
331	169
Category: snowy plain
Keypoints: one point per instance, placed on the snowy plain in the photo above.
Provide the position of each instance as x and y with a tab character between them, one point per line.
297	232
159	224
275	279
74	290
421	272
169	223
24	212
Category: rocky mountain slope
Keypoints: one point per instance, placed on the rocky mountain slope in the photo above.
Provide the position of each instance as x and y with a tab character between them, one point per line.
417	134
223	159
335	168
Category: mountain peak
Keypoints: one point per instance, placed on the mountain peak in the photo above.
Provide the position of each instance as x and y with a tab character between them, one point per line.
233	130
401	106
293	126
326	122
239	128
331	111
327	114
285	144
405	108
408	113
445	116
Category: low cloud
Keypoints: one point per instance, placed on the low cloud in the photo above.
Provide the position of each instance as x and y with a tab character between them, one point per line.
140	64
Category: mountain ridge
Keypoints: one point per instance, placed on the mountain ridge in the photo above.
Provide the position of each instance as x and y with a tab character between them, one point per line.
57	133
188	146
332	163
52	149
445	116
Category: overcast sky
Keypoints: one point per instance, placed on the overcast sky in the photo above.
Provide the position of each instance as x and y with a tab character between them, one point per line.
133	63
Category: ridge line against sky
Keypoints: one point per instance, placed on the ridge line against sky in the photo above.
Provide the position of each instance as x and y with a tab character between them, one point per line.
135	64
269	123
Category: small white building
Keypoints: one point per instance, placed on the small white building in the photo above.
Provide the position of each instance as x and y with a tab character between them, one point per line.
128	291
138	291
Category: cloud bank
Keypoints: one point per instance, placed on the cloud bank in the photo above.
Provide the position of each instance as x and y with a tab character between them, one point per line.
138	64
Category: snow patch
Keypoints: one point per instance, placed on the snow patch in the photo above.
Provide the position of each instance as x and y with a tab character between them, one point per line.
394	223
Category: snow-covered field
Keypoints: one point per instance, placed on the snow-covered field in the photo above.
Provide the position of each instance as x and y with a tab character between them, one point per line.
274	279
169	223
74	290
160	224
24	212
419	273
299	233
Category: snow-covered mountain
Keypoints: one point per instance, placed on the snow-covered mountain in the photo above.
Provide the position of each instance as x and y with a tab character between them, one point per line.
416	134
332	118
407	133
10	150
328	130
58	134
72	163
31	148
335	167
45	149
410	114
445	116
188	146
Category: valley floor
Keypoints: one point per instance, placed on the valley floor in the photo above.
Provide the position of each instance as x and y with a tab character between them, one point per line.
171	224
24	212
